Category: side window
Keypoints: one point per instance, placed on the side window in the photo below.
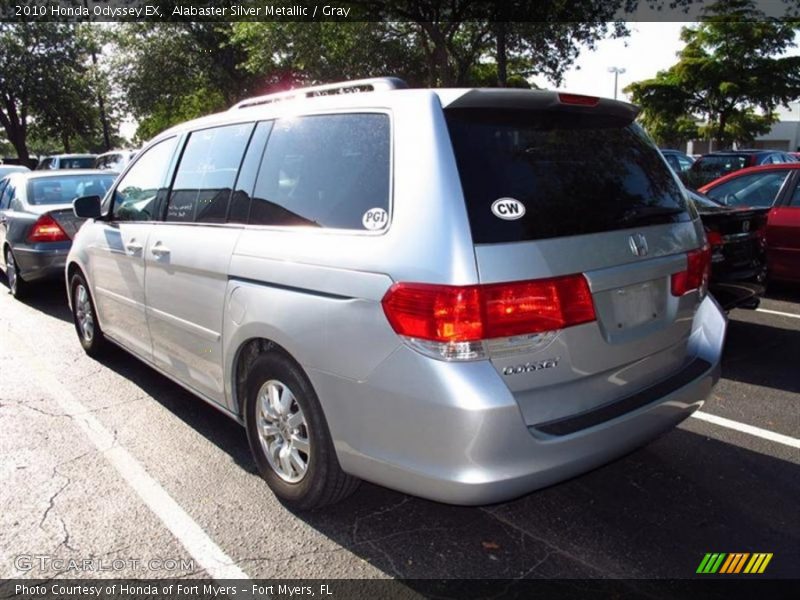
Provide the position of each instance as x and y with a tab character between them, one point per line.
325	171
685	164
5	199
138	195
794	201
206	174
758	189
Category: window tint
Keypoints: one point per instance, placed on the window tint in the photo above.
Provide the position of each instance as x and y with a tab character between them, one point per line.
795	199
206	174
8	193
140	193
325	171
541	161
756	189
711	167
64	189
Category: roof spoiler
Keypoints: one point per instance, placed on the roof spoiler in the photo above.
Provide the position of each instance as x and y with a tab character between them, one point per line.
344	87
544	100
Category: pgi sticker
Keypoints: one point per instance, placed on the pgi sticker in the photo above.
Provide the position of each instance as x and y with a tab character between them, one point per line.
375	218
508	209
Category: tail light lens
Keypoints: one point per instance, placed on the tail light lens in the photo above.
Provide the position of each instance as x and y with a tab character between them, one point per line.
451	322
578	99
695	277
47	229
714	237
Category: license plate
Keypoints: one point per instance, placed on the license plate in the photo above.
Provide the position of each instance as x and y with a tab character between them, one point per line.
637	304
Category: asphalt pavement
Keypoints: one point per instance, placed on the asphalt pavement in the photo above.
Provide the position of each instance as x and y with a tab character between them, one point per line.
105	461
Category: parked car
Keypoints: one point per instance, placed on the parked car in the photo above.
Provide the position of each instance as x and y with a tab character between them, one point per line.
737	237
679	161
37	222
115	160
777	187
8	169
712	166
66	161
439	291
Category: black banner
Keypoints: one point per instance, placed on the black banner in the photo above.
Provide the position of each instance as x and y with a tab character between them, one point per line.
379	10
732	588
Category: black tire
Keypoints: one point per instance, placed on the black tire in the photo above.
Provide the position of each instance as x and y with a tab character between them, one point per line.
323	482
16	284
94	342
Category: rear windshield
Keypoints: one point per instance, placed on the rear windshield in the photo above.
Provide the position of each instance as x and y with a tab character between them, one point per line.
570	174
77	163
63	190
708	168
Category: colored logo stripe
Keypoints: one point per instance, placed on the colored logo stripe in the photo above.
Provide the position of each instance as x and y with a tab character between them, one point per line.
720	562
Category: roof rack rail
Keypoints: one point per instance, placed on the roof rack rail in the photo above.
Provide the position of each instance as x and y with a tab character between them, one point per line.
343	87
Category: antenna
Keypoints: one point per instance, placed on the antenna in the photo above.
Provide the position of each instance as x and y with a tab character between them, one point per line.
376	84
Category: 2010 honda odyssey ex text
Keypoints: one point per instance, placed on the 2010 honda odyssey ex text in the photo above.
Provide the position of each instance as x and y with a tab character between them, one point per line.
462	294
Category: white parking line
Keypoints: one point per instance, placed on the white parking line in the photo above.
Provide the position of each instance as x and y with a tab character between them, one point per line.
778	312
749	429
197	543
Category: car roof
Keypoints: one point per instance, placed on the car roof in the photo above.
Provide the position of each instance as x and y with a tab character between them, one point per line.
69	156
26	175
747	171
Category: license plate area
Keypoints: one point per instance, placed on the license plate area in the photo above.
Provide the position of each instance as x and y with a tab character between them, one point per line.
633	305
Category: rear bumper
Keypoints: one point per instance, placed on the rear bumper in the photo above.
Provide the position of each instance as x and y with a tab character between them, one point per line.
454	433
42	261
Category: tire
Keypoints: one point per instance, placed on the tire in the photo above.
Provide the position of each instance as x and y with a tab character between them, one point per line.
84	316
289	436
16	284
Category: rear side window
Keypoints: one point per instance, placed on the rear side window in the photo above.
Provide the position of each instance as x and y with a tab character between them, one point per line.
325	171
206	174
531	175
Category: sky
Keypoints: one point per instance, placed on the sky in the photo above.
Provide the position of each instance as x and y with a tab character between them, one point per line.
651	47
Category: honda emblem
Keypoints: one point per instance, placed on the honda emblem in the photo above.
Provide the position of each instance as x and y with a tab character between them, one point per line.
638	244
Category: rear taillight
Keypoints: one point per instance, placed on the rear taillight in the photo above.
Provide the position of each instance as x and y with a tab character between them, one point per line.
452	322
47	229
714	238
695	277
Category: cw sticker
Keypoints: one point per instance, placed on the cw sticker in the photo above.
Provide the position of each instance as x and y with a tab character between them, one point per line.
508	209
375	218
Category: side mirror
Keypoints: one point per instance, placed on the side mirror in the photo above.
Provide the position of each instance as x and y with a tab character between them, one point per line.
86	207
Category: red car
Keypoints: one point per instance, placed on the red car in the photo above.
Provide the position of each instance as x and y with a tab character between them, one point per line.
777	186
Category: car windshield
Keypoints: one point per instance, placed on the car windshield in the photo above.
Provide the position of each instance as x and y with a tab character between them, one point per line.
540	161
64	189
753	189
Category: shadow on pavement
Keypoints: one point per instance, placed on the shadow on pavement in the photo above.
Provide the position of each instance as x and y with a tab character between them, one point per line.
763	355
48	297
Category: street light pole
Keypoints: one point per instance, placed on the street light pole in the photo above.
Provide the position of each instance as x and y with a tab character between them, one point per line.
617	71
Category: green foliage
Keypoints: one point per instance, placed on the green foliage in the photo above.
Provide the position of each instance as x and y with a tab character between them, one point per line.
731	75
45	83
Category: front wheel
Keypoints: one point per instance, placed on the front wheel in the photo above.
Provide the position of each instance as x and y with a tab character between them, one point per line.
289	437
85	317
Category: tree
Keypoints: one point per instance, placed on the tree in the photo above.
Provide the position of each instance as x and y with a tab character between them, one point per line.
171	72
43	81
731	76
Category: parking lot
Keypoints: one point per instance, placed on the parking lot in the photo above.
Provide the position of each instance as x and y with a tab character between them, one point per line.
110	460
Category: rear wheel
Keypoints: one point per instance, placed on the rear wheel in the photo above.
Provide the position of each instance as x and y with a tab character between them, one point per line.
16	285
289	437
85	317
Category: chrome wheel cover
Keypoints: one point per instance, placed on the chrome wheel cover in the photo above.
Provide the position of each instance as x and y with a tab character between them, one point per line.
283	431
84	316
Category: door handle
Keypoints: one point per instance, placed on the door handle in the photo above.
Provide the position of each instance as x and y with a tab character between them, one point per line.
159	250
133	247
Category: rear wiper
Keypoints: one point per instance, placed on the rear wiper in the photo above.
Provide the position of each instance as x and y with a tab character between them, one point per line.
645	213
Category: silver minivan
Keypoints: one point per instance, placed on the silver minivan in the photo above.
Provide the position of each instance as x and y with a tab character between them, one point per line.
462	294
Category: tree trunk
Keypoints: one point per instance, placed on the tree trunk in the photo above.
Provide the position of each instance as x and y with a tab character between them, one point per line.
501	33
65	142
